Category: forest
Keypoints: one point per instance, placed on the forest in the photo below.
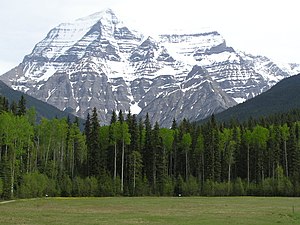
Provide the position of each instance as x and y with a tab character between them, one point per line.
132	157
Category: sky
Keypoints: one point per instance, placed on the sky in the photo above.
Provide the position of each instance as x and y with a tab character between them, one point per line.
259	27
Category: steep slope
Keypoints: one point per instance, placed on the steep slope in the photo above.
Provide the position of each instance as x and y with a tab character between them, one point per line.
43	110
97	61
282	97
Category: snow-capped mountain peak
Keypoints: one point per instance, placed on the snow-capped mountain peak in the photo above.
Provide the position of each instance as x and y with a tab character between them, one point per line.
97	61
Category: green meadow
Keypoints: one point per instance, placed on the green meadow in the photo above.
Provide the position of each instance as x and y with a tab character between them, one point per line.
152	210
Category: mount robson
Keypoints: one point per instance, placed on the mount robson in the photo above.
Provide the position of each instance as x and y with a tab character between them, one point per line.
98	61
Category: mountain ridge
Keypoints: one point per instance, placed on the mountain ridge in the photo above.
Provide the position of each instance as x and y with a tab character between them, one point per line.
97	61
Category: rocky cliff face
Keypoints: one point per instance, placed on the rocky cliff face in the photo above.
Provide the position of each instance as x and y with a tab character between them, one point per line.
97	61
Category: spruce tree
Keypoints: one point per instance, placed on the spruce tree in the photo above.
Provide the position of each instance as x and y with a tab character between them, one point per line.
14	108
87	132
113	117
160	160
96	164
121	116
147	152
21	106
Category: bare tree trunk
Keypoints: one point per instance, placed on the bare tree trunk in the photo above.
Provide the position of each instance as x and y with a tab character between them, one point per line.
154	173
171	164
186	166
122	172
37	151
28	161
203	176
248	165
62	157
134	165
229	175
286	160
6	151
73	160
12	170
12	177
115	162
28	166
47	153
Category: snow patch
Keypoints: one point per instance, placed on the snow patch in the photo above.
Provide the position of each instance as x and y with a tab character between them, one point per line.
135	109
239	100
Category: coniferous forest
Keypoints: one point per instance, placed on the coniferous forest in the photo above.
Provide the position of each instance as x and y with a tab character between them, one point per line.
133	157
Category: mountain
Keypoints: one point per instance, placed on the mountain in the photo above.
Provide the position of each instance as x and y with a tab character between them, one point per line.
97	61
43	110
282	97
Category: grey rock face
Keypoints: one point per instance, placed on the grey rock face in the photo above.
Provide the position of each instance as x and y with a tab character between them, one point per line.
99	62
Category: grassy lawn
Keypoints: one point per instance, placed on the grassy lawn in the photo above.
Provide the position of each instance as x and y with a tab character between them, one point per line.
152	210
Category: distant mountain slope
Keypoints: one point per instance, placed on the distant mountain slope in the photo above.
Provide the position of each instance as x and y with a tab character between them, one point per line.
42	109
282	97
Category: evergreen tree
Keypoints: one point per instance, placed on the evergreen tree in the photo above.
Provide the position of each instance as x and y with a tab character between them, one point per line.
113	117
147	151
14	108
186	144
4	105
87	127
199	158
21	106
294	153
211	153
285	136
87	132
95	161
121	116
157	161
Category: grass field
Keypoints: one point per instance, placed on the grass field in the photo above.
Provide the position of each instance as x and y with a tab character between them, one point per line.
152	210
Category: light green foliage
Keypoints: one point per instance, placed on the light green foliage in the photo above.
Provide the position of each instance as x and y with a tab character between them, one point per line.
200	144
135	171
260	136
238	187
167	136
17	134
283	185
91	186
65	185
33	185
79	187
106	186
130	159
104	137
77	150
284	129
191	187
186	141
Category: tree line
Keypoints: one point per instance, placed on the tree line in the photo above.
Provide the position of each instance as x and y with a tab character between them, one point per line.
133	157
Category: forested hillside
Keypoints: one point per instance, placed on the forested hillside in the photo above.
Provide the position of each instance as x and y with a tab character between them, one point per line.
42	109
133	157
282	97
